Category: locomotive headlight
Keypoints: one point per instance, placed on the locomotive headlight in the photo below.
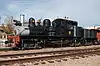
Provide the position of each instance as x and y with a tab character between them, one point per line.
33	21
69	32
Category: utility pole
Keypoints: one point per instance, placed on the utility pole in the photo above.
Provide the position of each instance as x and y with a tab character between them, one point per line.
0	20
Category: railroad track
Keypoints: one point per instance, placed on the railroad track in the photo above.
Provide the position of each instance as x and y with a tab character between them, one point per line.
47	56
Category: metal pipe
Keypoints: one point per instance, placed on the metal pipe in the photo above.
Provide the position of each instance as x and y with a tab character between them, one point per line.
22	19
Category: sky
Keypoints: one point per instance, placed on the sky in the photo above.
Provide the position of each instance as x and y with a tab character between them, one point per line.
85	12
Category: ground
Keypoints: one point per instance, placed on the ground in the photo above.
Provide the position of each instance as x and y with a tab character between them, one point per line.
87	61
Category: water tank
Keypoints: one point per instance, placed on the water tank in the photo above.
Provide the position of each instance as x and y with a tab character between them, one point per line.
47	23
87	33
93	33
79	32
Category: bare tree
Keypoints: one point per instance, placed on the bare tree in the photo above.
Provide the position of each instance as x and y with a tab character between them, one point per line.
7	27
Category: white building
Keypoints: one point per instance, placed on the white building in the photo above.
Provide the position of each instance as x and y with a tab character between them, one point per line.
93	27
3	38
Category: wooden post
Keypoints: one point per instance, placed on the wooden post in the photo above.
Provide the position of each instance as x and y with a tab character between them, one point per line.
44	43
61	42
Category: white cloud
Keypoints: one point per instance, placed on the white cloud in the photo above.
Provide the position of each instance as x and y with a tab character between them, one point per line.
84	11
11	7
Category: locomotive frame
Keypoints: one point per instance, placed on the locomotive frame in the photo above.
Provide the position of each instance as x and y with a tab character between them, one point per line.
62	33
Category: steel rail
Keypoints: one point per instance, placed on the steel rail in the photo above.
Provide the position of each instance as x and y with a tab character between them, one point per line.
46	52
61	54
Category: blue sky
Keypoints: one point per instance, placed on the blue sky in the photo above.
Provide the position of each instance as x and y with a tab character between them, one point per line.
86	12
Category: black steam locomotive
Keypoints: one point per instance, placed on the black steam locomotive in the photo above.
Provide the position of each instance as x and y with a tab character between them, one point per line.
58	33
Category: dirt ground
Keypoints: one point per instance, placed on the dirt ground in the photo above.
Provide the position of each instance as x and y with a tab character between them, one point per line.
87	61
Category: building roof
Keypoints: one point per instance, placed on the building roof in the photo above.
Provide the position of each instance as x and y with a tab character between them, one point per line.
1	28
94	27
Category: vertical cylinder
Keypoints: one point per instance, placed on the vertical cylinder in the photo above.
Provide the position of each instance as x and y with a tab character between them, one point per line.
75	31
22	19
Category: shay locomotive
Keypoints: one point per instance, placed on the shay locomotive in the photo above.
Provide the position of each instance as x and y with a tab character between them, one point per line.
58	33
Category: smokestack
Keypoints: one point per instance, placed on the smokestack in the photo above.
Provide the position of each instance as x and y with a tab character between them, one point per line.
22	18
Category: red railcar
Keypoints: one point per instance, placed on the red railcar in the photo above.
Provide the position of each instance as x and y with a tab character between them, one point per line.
98	35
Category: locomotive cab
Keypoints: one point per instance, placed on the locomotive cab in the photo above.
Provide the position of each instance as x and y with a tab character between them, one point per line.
65	28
